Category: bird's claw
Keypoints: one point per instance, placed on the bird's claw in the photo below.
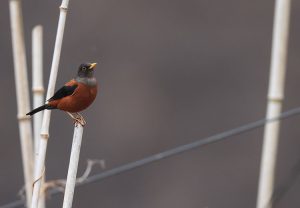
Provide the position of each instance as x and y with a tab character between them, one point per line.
79	120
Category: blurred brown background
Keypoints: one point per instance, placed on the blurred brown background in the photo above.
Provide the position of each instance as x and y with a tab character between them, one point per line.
171	72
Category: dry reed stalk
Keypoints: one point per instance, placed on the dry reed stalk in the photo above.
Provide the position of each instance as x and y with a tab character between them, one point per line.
22	90
73	166
37	81
40	162
275	98
38	90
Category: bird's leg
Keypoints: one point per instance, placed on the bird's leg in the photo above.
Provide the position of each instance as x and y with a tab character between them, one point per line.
71	115
77	118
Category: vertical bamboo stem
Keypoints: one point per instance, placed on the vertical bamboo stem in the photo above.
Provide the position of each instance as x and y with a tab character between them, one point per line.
73	166
22	90
38	90
37	80
275	98
40	163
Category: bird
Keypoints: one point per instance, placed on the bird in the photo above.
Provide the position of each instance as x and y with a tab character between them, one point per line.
75	96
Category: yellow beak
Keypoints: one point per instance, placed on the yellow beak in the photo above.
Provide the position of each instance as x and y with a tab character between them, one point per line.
92	66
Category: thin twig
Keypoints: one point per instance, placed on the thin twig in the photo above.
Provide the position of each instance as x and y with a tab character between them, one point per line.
59	184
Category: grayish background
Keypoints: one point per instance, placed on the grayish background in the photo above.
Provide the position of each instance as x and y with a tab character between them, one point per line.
170	72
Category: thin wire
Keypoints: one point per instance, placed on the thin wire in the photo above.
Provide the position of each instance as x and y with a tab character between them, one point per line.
173	151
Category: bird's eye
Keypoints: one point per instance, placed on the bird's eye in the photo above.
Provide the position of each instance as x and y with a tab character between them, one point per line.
84	68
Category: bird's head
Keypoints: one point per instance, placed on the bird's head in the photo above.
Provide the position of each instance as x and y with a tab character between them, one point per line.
86	70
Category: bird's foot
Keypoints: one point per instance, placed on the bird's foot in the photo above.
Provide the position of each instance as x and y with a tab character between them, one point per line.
81	119
77	119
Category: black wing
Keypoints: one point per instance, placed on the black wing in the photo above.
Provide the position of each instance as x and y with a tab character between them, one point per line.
63	92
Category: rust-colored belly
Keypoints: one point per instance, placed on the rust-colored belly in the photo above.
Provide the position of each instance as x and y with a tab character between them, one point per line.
82	98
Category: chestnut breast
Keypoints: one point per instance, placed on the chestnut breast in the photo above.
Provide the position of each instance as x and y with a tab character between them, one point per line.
82	98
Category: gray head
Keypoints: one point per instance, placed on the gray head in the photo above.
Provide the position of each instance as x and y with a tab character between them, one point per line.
86	70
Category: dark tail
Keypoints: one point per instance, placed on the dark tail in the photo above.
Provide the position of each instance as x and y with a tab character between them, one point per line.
43	107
